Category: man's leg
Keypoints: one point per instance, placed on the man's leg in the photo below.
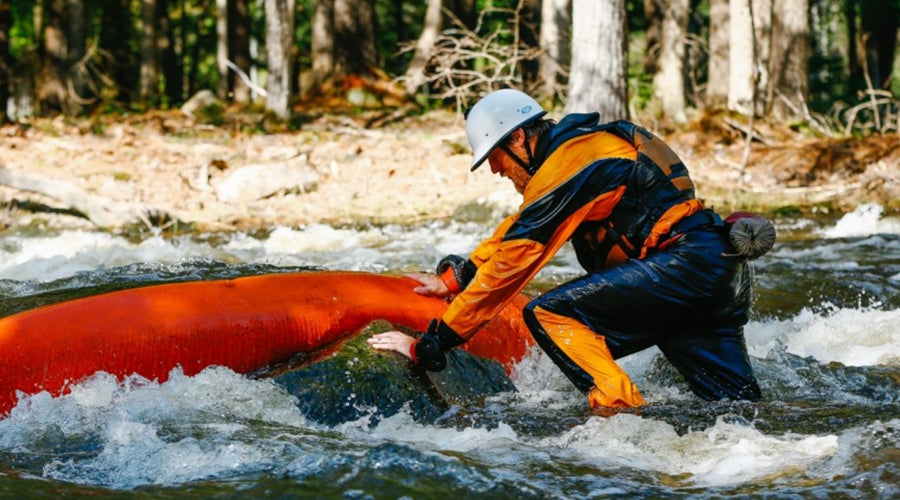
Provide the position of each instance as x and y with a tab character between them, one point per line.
715	367
690	300
583	357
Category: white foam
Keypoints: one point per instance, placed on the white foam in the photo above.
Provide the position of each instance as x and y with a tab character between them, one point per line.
215	390
390	248
401	427
725	453
134	422
854	337
863	221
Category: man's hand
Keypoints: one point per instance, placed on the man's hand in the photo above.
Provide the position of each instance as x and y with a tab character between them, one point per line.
392	341
430	284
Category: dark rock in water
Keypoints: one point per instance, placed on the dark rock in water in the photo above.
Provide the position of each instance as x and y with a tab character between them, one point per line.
357	381
468	378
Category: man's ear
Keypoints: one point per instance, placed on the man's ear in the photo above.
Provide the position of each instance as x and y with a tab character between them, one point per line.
517	137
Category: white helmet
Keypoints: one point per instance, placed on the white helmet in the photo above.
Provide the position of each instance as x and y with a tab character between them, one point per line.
494	117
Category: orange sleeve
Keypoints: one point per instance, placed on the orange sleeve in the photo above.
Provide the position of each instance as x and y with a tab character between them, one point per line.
486	248
510	267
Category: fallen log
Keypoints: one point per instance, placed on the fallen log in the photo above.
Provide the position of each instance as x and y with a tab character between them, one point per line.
101	211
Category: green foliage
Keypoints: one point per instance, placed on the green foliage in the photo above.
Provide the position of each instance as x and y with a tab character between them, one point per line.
827	80
192	38
22	36
640	83
212	114
302	30
787	211
398	25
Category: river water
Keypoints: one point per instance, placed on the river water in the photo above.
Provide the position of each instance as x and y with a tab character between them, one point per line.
824	339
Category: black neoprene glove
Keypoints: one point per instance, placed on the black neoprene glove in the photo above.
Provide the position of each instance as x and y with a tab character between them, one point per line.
430	348
463	269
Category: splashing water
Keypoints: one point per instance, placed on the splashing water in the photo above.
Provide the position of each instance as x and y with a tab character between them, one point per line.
823	340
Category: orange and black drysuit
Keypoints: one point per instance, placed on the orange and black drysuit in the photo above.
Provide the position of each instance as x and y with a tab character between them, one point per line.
659	270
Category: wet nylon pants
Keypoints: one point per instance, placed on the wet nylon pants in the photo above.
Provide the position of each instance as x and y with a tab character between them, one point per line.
689	300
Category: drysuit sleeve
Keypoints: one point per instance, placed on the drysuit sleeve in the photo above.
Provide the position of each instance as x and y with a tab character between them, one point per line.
514	262
457	272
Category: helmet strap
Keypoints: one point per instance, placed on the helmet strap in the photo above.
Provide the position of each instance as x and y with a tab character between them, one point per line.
532	168
529	166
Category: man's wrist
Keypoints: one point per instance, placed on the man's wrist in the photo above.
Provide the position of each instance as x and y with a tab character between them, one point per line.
428	351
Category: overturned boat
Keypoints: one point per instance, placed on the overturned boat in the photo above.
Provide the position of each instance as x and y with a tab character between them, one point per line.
249	324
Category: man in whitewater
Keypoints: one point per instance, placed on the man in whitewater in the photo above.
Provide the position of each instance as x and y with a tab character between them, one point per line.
660	267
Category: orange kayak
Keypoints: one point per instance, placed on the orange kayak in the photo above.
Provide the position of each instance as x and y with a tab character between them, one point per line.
246	324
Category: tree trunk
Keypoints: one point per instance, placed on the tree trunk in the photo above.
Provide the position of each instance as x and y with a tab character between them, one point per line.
717	78
654	11
762	33
239	26
853	49
115	36
225	79
77	88
279	42
879	19
169	60
597	81
431	28
52	88
556	21
741	50
789	62
354	37
529	27
5	58
149	79
322	42
668	82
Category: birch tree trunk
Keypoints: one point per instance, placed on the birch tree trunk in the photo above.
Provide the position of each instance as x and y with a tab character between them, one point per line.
322	42
415	74
556	20
222	49
750	40
279	41
668	82
717	77
762	33
597	81
741	50
788	89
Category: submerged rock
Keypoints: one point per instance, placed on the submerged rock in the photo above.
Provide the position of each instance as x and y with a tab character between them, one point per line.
357	381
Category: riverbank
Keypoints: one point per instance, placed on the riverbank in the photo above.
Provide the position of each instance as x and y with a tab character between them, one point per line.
341	170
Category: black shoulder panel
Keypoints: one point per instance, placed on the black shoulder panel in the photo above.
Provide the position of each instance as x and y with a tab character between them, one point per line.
540	219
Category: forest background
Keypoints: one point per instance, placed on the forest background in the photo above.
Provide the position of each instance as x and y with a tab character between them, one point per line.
248	113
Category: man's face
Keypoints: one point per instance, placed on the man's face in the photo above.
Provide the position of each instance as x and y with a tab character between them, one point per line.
504	165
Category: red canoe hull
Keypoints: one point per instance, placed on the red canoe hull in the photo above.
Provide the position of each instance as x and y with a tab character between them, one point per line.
245	324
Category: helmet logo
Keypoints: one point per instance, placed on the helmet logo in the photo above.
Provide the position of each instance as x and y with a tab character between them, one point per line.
526	109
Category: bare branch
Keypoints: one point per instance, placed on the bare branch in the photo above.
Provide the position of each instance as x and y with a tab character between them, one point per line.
466	64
